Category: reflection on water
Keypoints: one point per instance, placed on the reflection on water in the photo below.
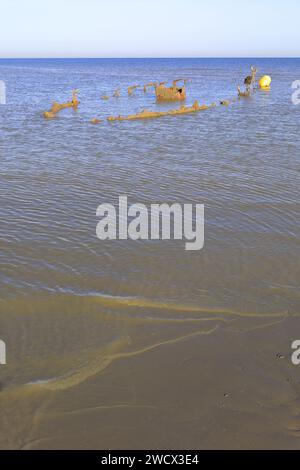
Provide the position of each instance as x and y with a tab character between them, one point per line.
71	306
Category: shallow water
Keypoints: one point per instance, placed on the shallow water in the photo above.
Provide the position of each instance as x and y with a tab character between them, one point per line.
72	305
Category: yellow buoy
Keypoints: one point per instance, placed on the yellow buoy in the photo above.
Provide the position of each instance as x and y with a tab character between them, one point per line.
265	82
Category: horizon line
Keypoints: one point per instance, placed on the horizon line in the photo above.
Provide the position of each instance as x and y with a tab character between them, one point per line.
149	57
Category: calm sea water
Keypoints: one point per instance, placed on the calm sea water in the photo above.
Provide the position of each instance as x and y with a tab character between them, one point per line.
242	162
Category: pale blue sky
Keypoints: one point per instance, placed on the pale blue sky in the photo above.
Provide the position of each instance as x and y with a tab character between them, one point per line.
149	28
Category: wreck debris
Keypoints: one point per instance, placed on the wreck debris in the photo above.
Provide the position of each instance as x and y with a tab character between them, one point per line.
173	93
56	107
184	80
250	81
131	89
117	93
250	84
166	93
150	85
96	121
243	94
170	94
146	114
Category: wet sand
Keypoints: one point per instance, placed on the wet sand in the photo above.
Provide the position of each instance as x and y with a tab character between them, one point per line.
169	379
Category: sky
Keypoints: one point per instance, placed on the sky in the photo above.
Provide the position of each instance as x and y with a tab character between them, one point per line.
149	28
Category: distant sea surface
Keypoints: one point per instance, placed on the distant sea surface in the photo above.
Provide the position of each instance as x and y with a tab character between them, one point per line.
71	306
